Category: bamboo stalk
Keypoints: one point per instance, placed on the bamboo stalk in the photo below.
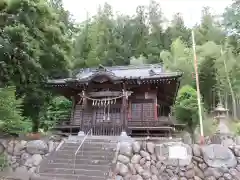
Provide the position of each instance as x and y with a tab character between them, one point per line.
198	89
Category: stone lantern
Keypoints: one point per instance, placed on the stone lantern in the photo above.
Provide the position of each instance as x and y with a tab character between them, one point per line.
220	115
223	135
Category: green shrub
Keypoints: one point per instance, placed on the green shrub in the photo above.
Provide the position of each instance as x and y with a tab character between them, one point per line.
3	162
59	109
186	108
12	121
237	128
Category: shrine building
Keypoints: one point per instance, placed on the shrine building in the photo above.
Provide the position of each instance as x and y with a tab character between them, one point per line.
110	100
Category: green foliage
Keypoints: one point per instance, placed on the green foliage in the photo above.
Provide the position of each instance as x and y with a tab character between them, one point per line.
209	126
186	108
209	29
231	19
11	112
208	82
180	58
178	30
35	44
3	162
237	128
39	40
138	61
58	109
103	39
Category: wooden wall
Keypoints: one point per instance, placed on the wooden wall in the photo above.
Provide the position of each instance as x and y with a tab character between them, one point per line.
141	107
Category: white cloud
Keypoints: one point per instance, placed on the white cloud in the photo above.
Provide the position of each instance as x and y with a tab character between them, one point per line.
190	9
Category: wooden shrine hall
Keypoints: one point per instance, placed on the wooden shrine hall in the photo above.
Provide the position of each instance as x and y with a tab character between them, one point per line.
110	100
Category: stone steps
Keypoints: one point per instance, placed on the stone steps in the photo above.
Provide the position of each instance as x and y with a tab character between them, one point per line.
96	156
70	171
92	143
51	176
106	139
81	161
87	147
77	166
93	161
86	152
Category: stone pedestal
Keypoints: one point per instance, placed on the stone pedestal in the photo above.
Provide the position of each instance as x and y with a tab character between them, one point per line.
222	127
77	138
123	134
81	133
224	139
124	137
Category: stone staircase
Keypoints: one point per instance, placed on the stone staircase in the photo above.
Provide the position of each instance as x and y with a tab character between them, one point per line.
93	161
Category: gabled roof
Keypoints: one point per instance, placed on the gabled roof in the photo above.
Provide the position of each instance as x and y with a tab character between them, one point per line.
143	71
149	71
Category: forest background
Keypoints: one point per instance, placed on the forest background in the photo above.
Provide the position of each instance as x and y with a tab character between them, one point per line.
39	40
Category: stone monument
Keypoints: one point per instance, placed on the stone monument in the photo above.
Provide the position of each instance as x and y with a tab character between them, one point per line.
223	135
220	116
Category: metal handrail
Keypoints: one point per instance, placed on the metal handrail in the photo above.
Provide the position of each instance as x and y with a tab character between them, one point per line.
79	147
51	154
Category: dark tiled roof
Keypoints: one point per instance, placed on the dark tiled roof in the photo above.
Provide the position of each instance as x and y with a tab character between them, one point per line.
149	71
143	71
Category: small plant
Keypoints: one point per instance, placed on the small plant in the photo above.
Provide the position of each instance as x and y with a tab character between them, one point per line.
3	162
238	129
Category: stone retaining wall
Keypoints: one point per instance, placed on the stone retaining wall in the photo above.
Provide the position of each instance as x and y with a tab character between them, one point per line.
176	161
23	157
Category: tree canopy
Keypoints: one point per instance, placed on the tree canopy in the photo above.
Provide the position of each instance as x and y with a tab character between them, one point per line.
35	45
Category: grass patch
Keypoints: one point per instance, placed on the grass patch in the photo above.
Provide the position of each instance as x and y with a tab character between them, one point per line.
1	124
209	127
3	162
234	127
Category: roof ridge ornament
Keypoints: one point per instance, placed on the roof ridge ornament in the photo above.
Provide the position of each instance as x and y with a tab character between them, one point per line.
152	72
102	68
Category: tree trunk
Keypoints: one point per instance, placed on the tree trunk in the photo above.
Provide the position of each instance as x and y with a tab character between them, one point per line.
35	125
226	102
192	134
193	137
231	89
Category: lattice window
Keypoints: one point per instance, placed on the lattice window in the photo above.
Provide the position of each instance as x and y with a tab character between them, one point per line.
142	111
136	111
87	117
99	114
115	114
148	111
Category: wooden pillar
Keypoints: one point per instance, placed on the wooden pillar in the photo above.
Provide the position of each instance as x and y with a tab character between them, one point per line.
72	112
124	106
129	110
73	109
156	109
84	104
81	124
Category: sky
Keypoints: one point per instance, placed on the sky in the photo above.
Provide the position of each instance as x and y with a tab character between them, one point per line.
190	9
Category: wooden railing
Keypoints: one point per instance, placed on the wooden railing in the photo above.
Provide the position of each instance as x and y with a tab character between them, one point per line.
104	129
64	122
155	123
